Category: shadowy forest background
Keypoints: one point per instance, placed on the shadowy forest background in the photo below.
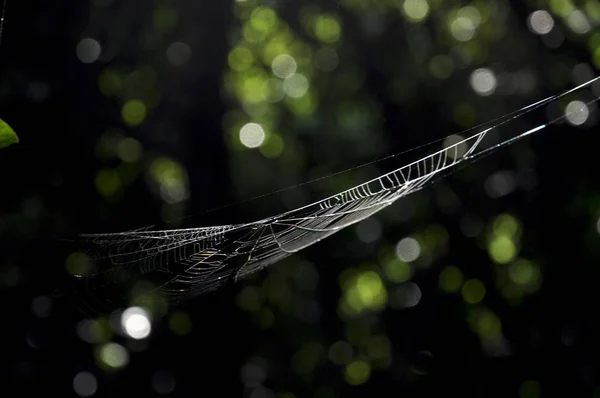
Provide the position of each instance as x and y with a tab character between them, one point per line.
134	113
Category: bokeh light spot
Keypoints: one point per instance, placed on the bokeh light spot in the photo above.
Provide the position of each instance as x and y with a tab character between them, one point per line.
284	66
88	50
135	321
364	291
273	146
368	230
108	183
327	28
463	29
471	13
171	178
114	355
483	81
252	135
179	53
397	270
577	112
451	279
110	82
457	146
134	112
500	184
540	22
296	85
341	353
263	19
473	291
408	249
369	287
521	272
582	73
240	59
357	372
578	22
485	323
129	150
406	295
85	384
415	10
502	249
506	224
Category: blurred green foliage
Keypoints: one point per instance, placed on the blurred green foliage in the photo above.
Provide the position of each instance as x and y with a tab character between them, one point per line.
7	135
299	107
282	76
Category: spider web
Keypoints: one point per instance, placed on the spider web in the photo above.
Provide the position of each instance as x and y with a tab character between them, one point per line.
196	261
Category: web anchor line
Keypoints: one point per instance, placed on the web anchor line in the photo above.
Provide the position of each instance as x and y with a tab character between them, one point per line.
2	19
195	261
494	122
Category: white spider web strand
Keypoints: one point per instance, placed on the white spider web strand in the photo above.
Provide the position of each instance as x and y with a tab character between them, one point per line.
494	123
2	19
195	261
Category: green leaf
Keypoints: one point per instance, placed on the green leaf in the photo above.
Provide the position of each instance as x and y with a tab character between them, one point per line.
7	135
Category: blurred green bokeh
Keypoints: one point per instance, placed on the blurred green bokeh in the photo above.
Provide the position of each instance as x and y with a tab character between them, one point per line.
310	89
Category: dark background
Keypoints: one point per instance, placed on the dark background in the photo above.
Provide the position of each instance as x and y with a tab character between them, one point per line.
47	192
